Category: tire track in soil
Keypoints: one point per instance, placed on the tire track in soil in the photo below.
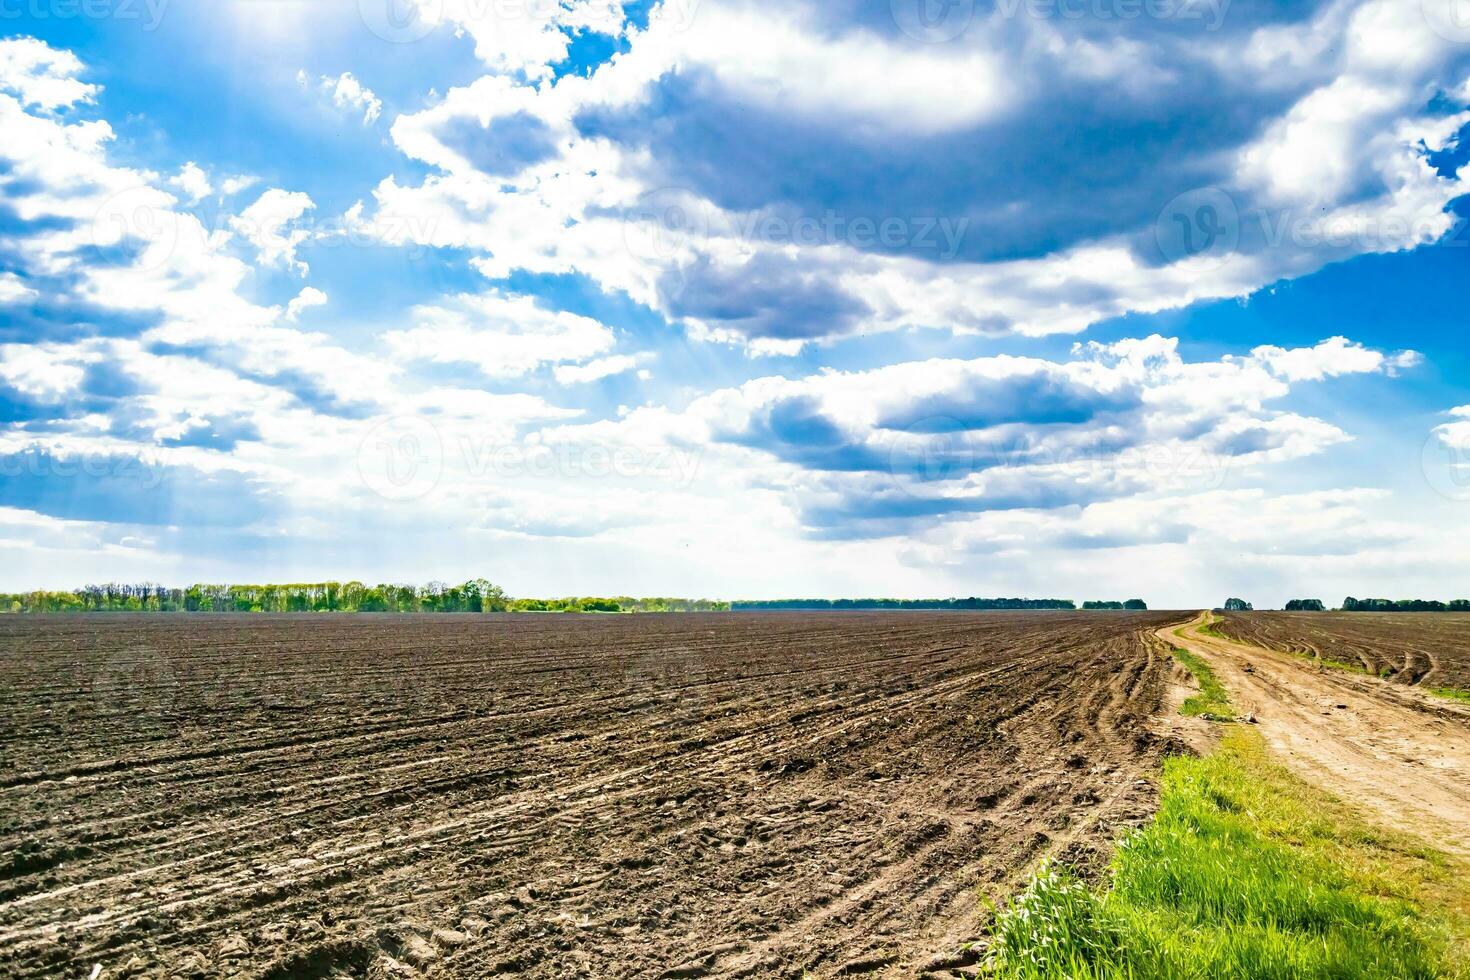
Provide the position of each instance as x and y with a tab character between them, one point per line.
721	795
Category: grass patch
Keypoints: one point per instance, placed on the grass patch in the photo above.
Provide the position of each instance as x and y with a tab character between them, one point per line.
1211	699
1208	629
1340	665
1245	872
1453	693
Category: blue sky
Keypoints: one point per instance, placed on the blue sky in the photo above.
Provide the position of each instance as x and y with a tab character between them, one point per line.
913	298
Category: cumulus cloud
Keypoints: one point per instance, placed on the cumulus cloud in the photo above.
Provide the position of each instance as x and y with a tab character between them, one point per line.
882	452
349	94
41	76
503	336
603	367
14	290
723	160
309	297
269	225
192	181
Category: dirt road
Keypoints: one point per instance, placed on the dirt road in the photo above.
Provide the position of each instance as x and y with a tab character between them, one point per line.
1401	755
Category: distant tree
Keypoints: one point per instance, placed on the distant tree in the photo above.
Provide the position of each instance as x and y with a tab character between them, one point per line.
1238	605
1135	604
1305	605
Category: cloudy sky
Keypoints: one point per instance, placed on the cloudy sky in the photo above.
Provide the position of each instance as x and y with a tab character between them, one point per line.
1078	298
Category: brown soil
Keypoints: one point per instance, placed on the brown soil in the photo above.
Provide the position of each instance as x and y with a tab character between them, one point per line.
1425	649
1401	755
724	795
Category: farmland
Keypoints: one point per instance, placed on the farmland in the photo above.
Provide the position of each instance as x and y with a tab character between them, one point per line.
719	794
1428	650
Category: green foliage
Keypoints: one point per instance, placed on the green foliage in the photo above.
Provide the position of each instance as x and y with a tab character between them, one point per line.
1404	605
1211	699
1453	693
1305	605
971	603
474	596
1245	872
1237	605
1130	604
623	604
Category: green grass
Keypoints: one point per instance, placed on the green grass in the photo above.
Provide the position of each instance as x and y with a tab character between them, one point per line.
1453	693
1211	699
1245	872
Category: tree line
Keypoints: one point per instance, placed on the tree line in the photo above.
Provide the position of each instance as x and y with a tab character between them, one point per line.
971	603
475	596
1362	605
1129	604
1404	605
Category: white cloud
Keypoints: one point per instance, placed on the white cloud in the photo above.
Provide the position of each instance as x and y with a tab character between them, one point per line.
267	224
14	290
230	186
883	452
40	75
504	336
604	367
193	181
602	209
349	94
526	36
309	297
1329	359
781	62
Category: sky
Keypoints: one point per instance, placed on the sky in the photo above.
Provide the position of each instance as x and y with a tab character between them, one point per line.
1089	299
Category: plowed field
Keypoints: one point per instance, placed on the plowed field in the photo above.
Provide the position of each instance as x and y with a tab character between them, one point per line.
1426	649
721	795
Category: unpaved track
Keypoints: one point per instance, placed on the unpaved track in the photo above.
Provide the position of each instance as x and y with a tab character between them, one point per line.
721	795
1401	755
